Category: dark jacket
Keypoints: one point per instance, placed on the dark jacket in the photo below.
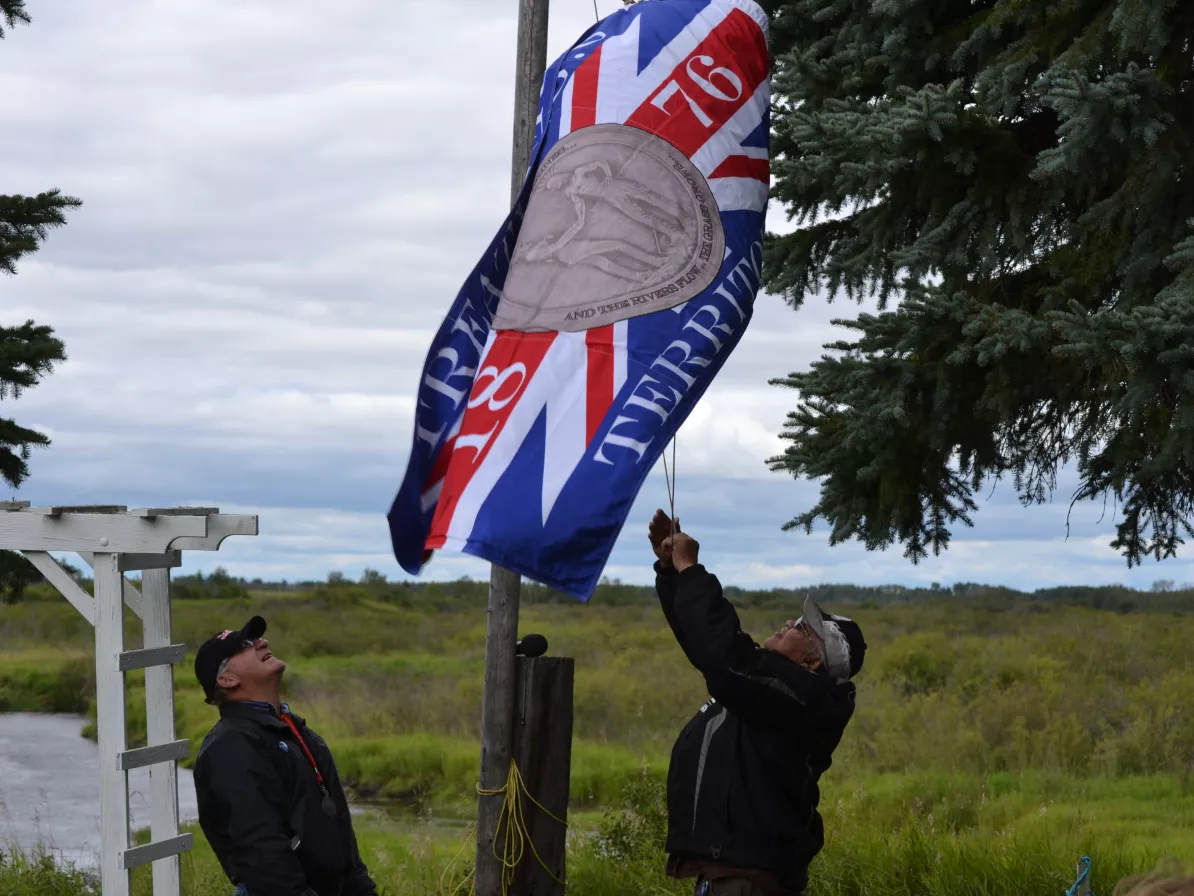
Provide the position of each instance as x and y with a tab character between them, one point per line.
260	808
742	785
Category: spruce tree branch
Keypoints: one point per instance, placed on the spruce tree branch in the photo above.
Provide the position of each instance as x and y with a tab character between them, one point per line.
26	220
12	13
27	352
1012	174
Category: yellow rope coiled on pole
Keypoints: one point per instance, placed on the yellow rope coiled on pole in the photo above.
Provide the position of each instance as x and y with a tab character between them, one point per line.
512	834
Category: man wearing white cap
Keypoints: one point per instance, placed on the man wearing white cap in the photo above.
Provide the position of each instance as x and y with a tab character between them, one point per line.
742	785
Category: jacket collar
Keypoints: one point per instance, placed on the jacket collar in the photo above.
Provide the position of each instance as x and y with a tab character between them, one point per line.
262	713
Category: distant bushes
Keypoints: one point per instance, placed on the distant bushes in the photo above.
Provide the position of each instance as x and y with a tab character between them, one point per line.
16	575
948	685
64	685
1067	690
216	586
1163	596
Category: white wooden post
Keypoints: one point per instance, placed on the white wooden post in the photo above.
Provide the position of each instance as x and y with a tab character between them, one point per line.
110	718
159	714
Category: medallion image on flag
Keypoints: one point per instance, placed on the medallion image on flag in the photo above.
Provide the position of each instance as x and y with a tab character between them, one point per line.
620	223
606	303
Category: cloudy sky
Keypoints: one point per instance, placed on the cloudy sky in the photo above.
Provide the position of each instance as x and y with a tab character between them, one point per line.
280	203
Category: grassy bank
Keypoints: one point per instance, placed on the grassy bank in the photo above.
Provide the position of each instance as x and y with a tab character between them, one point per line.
40	680
890	836
994	743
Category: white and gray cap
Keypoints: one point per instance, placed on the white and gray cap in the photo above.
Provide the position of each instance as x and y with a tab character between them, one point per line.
844	644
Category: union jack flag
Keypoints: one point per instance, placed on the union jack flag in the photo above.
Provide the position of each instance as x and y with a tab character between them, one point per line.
530	446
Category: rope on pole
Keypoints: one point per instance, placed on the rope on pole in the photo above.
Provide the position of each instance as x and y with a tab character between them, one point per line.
515	842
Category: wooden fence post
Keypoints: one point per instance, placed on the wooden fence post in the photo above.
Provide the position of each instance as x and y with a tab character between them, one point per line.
543	751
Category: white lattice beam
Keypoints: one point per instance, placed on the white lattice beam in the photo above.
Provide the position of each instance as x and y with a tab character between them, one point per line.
219	527
30	529
60	579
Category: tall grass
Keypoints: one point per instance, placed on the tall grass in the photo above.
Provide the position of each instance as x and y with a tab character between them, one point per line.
993	744
37	874
947	686
41	681
942	835
946	835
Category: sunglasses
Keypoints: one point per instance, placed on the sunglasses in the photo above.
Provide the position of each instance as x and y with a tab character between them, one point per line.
245	645
800	624
803	625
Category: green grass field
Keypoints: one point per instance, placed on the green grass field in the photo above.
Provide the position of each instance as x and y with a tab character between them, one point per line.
994	743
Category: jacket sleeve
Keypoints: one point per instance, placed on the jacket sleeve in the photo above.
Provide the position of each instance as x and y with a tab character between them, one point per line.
247	798
665	587
357	881
760	686
666	579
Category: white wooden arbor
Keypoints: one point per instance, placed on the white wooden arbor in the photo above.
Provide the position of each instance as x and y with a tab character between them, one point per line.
113	540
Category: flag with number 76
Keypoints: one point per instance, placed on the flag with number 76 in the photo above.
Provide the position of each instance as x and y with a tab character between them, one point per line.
608	300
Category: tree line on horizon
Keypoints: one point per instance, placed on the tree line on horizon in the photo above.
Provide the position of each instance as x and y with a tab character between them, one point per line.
339	591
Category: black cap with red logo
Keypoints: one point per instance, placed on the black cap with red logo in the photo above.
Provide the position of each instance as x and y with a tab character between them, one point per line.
223	646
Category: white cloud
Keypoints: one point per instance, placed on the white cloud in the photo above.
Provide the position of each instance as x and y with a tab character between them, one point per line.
280	202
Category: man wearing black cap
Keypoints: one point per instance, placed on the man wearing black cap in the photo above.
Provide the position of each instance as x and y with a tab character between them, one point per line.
270	800
742	786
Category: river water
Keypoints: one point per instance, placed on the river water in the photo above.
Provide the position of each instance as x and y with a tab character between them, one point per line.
49	787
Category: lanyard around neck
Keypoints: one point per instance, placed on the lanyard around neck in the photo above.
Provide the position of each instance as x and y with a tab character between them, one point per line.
306	752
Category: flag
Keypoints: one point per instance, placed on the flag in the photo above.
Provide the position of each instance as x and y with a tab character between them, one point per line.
607	302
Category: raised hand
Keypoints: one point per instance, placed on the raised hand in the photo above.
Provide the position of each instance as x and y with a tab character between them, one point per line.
659	531
683	551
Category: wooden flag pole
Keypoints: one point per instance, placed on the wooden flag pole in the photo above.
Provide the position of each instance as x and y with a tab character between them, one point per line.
501	637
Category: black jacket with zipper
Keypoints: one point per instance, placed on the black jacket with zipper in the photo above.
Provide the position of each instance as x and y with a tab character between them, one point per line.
260	808
742	785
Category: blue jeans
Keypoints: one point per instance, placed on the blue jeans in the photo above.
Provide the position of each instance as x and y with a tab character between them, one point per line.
240	890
